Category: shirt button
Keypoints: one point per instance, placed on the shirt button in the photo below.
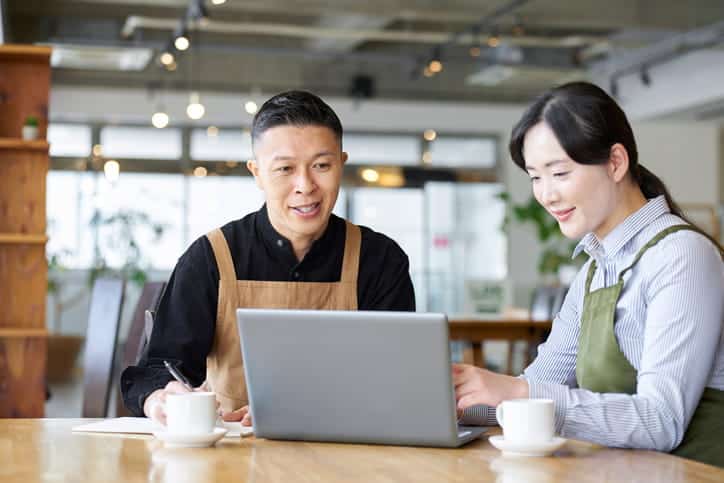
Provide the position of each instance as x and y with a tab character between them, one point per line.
280	243
297	275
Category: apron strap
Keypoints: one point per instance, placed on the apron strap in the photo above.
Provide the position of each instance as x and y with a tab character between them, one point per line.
656	239
589	277
350	262
224	262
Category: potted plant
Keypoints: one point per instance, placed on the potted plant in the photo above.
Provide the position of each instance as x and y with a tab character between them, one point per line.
30	128
554	264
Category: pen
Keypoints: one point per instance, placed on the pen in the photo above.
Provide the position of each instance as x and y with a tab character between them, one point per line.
177	375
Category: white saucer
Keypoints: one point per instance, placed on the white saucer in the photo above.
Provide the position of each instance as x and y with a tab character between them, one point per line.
172	440
510	448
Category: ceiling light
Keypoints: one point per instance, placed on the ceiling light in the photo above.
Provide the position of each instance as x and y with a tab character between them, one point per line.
429	134
195	110
427	157
370	175
200	172
181	42
212	131
97	150
493	41
68	56
251	107
218	2
159	119
171	67
491	75
435	66
167	58
112	170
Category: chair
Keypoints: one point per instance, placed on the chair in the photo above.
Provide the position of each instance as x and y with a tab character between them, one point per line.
139	333
100	345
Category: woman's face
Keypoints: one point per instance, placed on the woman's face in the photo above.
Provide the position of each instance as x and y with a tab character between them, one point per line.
581	197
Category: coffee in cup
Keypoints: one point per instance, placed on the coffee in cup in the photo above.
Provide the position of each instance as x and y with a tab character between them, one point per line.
526	420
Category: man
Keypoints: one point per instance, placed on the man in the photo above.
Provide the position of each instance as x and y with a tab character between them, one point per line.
292	253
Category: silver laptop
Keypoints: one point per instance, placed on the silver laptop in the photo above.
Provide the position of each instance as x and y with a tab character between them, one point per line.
357	377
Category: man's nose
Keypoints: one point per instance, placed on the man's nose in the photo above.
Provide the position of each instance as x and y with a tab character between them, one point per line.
304	182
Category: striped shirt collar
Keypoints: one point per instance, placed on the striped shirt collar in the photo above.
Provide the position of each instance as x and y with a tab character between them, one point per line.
624	232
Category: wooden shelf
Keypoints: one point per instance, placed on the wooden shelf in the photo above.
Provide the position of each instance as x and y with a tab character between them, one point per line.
18	238
27	52
17	333
20	144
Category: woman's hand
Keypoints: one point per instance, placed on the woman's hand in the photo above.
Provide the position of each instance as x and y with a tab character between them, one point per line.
474	386
241	414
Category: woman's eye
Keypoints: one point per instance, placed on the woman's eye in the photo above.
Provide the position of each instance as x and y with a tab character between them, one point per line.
533	179
560	175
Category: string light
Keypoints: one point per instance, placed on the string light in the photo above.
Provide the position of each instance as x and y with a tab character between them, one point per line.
159	119
112	170
195	110
429	134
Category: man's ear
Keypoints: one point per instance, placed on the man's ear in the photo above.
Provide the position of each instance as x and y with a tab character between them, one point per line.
344	157
618	162
253	168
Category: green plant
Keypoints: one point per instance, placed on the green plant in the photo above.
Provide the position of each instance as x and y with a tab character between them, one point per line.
120	232
31	121
556	249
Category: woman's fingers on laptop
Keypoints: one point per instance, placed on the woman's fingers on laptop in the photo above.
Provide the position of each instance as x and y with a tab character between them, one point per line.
474	385
241	414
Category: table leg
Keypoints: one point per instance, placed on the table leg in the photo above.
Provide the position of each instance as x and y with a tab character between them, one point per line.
509	364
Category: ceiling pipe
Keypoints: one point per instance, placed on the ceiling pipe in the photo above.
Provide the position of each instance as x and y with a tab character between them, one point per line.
134	23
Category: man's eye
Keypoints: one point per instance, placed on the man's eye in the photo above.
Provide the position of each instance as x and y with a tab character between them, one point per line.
283	169
322	166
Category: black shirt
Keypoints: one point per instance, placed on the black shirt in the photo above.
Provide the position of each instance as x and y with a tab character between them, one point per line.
186	314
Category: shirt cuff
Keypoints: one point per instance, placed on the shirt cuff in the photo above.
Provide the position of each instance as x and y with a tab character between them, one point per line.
557	392
479	415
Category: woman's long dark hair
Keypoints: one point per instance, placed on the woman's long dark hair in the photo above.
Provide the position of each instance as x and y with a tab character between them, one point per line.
587	122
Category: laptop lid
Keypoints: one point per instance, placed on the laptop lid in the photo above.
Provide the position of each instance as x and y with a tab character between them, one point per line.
349	376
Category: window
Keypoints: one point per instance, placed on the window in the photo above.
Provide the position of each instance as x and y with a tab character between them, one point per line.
69	139
141	142
225	145
382	149
463	152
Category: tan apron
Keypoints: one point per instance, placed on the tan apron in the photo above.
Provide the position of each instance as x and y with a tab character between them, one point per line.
224	369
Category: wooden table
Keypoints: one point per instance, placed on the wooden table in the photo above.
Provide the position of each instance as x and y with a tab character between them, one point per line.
478	329
46	450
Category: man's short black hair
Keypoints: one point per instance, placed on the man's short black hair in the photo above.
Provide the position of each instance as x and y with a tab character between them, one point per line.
295	108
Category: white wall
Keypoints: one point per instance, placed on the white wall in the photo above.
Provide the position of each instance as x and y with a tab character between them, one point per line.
686	155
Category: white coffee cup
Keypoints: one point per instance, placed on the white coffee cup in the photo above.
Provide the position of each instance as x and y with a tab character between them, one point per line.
191	413
526	420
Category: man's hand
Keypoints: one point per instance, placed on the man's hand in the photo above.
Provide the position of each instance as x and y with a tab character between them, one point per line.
474	386
155	405
241	414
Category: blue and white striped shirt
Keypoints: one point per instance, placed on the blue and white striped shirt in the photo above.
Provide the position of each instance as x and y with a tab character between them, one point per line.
668	325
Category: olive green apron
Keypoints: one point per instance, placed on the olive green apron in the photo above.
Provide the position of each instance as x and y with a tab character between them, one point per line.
602	367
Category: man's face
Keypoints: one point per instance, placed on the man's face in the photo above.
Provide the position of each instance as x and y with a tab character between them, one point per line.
300	170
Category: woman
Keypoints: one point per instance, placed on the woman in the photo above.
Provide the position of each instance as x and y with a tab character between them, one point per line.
635	357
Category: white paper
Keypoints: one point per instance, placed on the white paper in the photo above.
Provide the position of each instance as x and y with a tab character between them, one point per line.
148	426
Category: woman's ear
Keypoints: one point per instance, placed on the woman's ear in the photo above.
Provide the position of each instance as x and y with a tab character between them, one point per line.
618	162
